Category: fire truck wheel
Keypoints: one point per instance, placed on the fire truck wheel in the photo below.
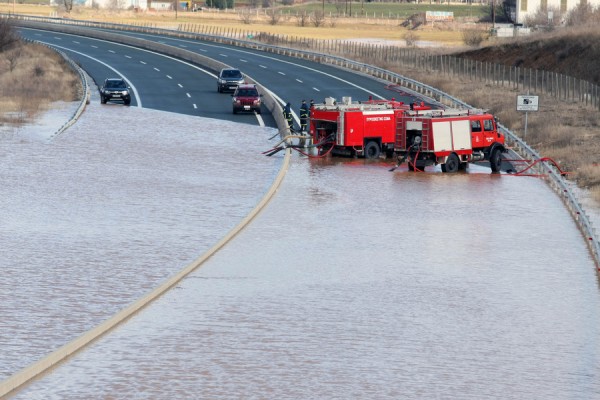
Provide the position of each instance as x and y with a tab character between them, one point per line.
452	164
496	160
372	150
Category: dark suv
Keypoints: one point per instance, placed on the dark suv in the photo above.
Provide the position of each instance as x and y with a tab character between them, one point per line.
115	89
229	79
246	98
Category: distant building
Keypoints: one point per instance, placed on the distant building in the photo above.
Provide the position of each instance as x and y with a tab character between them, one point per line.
121	4
528	8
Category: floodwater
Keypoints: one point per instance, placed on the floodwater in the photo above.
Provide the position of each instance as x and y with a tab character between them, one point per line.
354	282
98	216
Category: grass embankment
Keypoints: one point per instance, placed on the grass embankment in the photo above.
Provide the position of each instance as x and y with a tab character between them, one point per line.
568	132
31	78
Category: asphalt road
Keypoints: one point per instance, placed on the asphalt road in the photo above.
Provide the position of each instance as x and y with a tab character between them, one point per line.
164	83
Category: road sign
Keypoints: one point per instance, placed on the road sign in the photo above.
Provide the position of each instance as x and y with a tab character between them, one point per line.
527	103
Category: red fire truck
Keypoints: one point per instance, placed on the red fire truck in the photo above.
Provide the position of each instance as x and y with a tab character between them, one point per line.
415	134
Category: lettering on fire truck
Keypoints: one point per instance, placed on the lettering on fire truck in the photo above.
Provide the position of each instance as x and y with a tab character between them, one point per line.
371	119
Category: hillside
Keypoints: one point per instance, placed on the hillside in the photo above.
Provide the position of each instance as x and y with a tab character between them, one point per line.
574	53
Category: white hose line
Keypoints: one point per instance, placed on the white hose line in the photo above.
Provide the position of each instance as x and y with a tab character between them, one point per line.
29	373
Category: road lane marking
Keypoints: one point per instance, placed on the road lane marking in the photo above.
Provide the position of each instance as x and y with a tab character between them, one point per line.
135	92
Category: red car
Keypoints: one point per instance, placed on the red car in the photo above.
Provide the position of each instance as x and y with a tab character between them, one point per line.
246	98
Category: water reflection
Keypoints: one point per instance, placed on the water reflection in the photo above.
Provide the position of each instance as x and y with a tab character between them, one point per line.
356	282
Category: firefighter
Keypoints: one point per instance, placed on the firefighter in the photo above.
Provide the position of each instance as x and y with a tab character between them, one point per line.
304	114
287	114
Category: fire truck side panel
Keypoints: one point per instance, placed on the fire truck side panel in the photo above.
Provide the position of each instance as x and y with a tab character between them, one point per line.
461	135
451	136
380	125
442	137
353	130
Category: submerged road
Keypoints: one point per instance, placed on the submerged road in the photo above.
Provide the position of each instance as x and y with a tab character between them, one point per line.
354	282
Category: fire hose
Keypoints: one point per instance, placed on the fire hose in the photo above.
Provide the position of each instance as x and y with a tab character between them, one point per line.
281	146
534	163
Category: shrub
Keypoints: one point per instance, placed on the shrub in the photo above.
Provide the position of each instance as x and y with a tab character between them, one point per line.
411	38
473	37
8	37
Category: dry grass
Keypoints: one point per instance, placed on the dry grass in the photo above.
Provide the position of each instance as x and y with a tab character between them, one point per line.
31	77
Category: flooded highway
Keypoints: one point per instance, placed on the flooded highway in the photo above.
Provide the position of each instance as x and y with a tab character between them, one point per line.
354	282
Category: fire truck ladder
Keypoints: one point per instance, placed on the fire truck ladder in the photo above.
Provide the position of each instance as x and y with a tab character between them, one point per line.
400	132
425	137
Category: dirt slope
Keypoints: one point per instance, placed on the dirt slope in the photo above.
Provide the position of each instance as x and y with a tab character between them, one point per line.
574	53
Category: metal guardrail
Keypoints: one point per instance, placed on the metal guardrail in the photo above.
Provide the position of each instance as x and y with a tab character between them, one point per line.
556	180
85	98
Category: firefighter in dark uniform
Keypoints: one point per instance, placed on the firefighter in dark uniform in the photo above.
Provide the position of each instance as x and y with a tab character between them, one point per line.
287	114
304	114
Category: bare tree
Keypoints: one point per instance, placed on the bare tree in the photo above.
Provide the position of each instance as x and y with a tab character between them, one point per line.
68	5
583	14
246	16
274	16
302	18
317	18
13	57
547	18
473	37
8	37
411	38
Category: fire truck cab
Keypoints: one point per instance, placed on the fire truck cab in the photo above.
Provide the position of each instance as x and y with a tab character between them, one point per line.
451	138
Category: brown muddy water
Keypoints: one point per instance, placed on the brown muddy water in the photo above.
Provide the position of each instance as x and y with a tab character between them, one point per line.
354	282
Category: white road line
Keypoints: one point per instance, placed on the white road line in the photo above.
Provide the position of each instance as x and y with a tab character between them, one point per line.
261	122
298	80
183	45
195	106
143	62
95	47
57	38
126	56
156	69
112	51
188	95
180	85
169	76
76	42
242	60
314	88
281	73
223	55
135	92
202	50
375	95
